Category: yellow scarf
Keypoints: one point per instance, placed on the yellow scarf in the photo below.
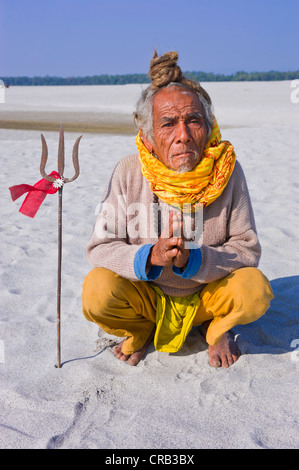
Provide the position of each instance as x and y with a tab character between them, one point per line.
201	185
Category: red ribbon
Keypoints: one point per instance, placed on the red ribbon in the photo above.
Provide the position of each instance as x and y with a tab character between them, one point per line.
36	194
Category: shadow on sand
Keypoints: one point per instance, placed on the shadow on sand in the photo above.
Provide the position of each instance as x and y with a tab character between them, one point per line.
277	331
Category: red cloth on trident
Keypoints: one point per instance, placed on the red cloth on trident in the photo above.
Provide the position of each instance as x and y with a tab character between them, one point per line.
36	194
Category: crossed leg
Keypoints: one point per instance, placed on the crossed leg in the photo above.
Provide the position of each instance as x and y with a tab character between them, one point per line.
127	308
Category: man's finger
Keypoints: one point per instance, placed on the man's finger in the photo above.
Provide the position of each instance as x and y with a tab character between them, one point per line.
170	243
173	226
169	254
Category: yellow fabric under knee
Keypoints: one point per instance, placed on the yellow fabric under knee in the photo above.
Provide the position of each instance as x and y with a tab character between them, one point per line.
120	307
237	299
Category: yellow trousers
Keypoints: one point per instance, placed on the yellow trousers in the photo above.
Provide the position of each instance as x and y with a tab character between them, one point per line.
128	308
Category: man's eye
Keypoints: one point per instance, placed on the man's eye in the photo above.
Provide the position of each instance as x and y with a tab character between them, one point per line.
167	124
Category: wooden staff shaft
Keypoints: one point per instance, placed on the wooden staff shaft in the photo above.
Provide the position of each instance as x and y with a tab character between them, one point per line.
59	278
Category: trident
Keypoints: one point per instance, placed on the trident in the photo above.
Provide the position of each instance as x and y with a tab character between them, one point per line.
58	183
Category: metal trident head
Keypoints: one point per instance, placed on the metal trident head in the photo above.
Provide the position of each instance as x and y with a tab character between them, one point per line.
44	159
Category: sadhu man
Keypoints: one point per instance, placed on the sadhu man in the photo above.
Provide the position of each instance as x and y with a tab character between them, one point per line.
151	280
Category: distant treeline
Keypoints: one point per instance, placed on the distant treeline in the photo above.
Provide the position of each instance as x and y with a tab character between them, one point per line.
143	78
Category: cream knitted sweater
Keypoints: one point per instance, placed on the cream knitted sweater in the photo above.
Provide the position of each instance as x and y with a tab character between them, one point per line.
125	222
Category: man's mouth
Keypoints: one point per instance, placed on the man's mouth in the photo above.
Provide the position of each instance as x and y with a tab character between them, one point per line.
183	154
184	160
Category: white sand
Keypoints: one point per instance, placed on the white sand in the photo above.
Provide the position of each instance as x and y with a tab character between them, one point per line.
169	400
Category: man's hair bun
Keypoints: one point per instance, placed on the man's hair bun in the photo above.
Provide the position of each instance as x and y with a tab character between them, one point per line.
165	70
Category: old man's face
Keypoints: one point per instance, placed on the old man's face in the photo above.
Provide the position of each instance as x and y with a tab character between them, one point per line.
179	129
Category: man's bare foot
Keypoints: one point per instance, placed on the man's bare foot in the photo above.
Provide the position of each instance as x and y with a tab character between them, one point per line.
225	352
135	358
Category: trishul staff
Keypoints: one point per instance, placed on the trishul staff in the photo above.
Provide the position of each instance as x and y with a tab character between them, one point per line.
50	184
59	183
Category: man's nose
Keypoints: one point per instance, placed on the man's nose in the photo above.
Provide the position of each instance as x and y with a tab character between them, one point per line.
182	132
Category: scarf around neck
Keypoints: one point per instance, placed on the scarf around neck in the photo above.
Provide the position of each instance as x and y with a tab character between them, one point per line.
200	186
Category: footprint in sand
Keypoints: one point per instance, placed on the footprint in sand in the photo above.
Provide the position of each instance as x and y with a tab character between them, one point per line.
225	385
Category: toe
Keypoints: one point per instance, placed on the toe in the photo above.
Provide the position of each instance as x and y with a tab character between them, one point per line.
117	349
225	361
118	353
135	358
215	361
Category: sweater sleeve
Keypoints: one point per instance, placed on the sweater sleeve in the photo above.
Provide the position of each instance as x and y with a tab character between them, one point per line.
241	247
109	246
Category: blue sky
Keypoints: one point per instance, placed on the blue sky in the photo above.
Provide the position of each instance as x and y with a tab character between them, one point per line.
92	37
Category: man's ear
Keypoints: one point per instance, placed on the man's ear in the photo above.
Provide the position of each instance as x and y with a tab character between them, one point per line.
147	143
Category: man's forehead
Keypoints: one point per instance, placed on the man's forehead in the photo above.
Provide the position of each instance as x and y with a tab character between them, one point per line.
176	100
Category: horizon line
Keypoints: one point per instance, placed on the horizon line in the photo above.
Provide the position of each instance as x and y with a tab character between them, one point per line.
216	74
